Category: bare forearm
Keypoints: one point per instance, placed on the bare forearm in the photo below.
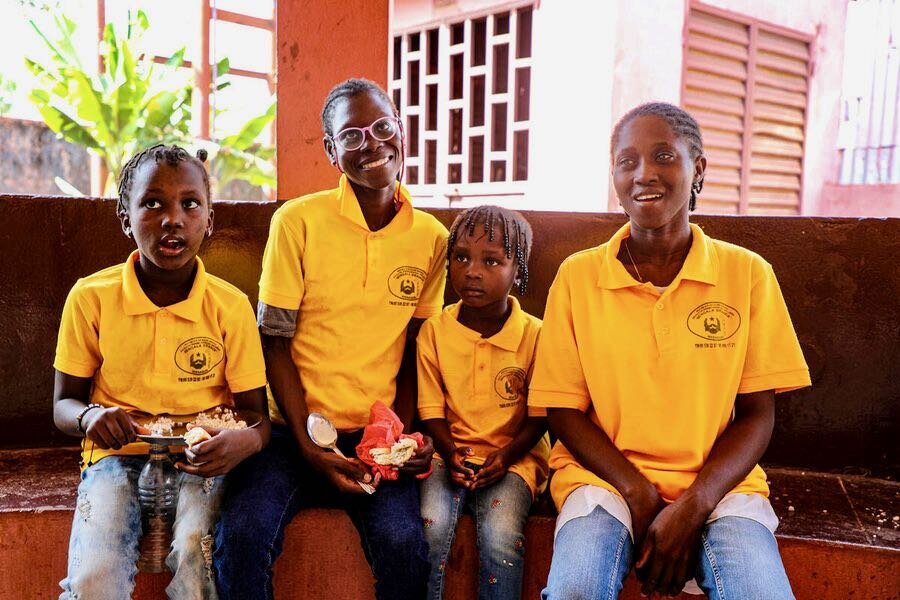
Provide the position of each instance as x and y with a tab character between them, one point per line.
737	451
70	396
439	430
255	400
287	389
531	432
595	451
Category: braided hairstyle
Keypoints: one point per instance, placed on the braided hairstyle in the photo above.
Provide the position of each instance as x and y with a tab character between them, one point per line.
682	124
172	155
516	231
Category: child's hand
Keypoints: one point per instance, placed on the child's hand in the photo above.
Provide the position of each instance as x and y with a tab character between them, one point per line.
421	460
224	451
344	474
110	427
494	469
460	474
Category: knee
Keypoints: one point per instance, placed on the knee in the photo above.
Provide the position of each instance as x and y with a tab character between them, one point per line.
502	541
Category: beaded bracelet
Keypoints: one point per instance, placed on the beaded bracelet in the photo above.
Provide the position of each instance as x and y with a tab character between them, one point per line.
83	412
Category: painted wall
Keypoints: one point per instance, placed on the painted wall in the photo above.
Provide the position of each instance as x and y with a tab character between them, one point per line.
881	200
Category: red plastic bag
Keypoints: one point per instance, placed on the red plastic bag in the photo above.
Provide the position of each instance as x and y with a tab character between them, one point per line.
383	431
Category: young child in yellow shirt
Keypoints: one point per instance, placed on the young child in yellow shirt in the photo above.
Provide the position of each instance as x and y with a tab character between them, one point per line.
156	334
474	364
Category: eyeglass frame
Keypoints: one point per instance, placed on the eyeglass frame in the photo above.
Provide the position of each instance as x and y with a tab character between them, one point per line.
367	130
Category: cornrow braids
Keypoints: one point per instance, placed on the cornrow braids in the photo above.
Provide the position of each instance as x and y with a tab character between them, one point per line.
682	124
172	155
517	235
348	89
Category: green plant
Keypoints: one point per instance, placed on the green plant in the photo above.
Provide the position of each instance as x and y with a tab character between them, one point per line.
131	104
7	87
240	156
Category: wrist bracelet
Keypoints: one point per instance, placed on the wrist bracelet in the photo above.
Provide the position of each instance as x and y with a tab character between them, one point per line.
80	416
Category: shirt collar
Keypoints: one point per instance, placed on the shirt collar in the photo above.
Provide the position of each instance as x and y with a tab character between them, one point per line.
701	263
136	302
351	210
507	338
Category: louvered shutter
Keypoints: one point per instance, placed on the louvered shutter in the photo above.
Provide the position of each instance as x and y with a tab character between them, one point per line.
746	83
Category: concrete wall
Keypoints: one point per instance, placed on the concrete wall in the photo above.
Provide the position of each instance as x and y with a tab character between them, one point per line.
839	278
871	200
31	156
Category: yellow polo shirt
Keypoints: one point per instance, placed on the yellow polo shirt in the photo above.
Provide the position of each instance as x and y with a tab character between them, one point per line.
659	373
180	359
479	385
355	291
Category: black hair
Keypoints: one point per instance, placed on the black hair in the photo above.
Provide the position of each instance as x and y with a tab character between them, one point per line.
517	235
348	89
681	122
172	155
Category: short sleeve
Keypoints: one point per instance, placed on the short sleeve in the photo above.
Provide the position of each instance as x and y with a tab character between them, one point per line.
281	283
245	368
533	411
431	301
774	359
78	344
431	384
558	380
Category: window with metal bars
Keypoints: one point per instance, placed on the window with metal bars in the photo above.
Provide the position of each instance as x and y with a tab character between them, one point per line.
463	89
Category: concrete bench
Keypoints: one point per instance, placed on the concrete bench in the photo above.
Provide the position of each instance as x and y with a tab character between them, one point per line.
839	537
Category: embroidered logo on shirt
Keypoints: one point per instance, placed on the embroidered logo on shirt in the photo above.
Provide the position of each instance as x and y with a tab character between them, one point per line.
406	283
714	321
510	386
199	355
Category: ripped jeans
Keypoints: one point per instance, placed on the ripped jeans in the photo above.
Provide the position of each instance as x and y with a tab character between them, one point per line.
500	512
106	534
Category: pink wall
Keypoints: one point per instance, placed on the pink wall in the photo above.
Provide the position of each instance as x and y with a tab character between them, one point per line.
859	200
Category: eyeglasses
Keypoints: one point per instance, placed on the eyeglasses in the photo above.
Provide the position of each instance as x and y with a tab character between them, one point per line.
353	138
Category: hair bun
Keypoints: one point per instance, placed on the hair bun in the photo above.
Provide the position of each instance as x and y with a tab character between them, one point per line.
202	154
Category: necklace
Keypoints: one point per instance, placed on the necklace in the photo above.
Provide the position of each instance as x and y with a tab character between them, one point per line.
631	258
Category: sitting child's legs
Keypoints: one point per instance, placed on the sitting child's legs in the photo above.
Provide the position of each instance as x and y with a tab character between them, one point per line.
501	511
442	505
739	559
199	501
390	525
103	547
263	494
591	557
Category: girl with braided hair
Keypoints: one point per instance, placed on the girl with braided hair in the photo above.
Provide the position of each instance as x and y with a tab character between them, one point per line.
474	363
157	334
660	357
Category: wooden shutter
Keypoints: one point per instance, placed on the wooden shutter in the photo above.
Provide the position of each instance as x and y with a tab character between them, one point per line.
746	83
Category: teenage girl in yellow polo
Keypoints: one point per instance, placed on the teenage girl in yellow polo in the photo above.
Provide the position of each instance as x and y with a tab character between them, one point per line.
660	357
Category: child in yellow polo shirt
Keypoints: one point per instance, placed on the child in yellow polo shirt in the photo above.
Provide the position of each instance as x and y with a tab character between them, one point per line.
474	363
348	276
660	357
156	334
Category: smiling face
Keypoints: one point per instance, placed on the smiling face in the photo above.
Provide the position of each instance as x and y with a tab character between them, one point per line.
168	214
480	272
653	172
376	163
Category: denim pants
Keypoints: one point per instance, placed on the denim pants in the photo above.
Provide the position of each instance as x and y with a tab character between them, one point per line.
738	560
500	512
106	533
268	489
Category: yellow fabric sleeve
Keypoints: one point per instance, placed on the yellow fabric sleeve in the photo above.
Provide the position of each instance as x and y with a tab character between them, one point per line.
431	384
431	301
558	380
78	343
281	283
774	360
245	368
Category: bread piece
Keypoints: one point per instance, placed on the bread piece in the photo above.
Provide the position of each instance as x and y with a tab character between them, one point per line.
396	455
195	436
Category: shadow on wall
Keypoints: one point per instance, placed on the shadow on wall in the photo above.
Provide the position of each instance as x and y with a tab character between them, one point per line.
838	276
31	156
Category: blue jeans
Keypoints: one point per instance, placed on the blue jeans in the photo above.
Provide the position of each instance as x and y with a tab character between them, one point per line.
268	489
106	533
738	560
500	513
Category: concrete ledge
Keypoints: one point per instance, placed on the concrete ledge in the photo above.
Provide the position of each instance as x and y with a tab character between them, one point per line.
839	540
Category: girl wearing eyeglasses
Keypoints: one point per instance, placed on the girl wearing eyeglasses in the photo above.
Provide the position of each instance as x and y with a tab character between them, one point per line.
348	276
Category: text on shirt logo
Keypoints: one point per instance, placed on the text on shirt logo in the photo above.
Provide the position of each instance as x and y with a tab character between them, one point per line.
198	356
509	384
406	283
714	321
